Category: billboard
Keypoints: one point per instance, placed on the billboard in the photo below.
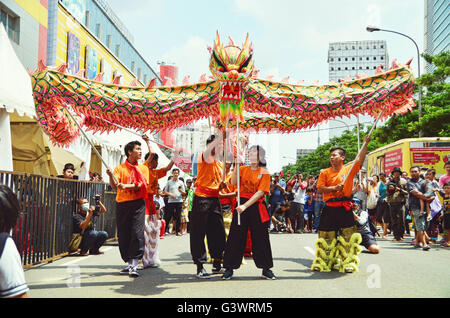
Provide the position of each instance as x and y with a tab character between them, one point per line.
73	53
77	8
91	63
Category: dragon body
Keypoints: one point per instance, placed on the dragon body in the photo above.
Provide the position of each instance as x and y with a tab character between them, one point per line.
234	93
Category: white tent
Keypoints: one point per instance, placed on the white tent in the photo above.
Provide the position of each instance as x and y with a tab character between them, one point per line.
16	94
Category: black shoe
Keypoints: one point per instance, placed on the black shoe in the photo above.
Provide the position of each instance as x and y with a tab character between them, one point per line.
133	272
228	274
201	273
268	274
125	271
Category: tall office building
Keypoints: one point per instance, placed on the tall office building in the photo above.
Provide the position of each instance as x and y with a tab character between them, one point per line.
437	28
346	59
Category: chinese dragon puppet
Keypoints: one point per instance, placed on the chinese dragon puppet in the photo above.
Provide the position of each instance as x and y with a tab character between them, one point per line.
234	95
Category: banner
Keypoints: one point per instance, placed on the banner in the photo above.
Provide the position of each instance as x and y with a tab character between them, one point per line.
73	53
91	63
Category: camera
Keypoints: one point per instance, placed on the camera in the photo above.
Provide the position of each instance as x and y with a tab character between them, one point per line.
97	205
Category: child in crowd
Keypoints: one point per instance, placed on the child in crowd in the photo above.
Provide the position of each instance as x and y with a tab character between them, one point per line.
309	209
429	188
184	215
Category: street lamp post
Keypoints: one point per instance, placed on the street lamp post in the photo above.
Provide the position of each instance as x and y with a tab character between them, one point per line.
373	29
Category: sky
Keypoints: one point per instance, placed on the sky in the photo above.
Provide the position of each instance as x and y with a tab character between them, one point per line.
290	38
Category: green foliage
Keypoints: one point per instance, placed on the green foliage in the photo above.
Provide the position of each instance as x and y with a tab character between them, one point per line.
434	122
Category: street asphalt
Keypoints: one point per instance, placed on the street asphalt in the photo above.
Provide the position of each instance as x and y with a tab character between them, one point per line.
398	271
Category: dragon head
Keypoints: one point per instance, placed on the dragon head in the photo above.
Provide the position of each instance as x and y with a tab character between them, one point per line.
232	66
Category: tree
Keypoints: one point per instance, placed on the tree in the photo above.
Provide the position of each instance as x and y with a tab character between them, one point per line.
435	120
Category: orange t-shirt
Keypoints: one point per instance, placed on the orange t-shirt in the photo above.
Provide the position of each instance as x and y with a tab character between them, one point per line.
121	172
153	176
209	175
329	177
229	188
252	181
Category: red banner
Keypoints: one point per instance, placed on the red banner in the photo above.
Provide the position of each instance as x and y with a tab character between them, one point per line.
426	157
393	159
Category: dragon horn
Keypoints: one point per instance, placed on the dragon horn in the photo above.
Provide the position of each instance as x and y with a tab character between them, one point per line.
231	41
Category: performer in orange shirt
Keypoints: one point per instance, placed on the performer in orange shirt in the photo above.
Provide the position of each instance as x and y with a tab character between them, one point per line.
152	221
254	184
130	206
206	216
338	243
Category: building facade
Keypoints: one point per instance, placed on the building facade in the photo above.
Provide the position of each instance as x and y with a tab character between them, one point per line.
26	22
356	57
437	28
346	59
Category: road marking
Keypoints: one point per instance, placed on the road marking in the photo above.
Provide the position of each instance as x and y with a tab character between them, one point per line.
310	250
80	258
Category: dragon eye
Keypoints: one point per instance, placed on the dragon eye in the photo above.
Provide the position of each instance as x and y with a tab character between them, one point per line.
221	67
245	64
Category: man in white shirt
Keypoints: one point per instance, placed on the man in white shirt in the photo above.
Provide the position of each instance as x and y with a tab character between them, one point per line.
175	190
298	204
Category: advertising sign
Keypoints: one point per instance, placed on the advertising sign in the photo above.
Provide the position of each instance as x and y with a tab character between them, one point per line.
430	154
393	159
91	63
184	163
73	53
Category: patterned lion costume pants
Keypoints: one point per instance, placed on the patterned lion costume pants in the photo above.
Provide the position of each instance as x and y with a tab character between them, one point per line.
338	244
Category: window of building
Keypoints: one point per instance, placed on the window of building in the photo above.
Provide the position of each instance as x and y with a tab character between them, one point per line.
133	66
374	58
353	68
381	46
339	68
367	58
360	67
12	25
374	67
98	30
382	57
118	50
88	19
353	47
360	58
332	68
346	59
353	58
346	68
332	59
367	68
374	46
139	74
339	59
145	78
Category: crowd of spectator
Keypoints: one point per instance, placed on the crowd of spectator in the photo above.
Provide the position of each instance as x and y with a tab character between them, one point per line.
395	204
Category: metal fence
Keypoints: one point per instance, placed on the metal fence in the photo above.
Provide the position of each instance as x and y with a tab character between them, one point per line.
45	225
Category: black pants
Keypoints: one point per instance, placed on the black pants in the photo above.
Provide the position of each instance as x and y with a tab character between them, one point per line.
130	219
173	211
397	212
234	251
206	219
297	217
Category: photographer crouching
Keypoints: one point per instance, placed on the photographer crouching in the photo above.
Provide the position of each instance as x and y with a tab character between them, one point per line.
84	223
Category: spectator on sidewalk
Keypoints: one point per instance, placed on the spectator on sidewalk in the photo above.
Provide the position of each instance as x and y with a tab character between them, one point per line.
175	190
309	209
277	189
397	195
318	206
296	211
362	223
383	213
12	277
446	177
85	222
415	188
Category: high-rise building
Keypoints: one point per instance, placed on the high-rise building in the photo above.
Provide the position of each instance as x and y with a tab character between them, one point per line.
346	60
437	28
356	57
